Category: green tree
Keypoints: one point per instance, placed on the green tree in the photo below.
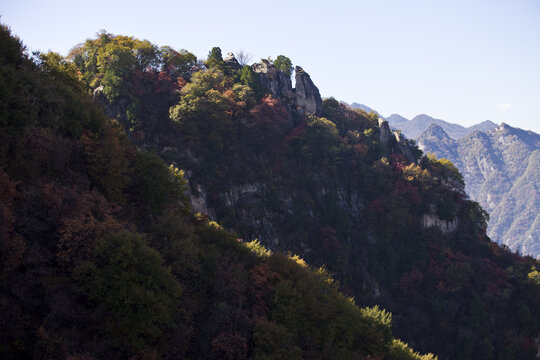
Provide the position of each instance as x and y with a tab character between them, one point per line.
320	138
284	64
215	59
133	293
248	77
178	63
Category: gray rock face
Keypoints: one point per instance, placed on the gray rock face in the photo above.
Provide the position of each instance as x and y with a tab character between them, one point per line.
308	98
402	148
273	79
116	110
231	62
385	135
394	142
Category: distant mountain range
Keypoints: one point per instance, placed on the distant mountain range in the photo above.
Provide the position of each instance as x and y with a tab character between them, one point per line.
413	128
501	168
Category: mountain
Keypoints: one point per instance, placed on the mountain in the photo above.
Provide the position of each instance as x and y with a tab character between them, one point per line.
420	123
483	126
396	120
112	251
500	168
102	258
365	108
413	128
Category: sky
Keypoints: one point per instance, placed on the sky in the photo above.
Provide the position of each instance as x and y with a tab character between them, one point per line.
460	61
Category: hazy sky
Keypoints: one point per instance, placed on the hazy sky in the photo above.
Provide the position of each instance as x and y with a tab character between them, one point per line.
460	61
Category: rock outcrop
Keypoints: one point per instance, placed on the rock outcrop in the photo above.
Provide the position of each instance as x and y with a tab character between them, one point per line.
275	80
402	148
305	98
231	62
385	134
433	220
308	98
394	142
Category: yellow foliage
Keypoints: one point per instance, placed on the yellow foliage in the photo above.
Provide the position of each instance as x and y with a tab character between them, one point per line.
297	259
256	247
400	350
215	225
534	275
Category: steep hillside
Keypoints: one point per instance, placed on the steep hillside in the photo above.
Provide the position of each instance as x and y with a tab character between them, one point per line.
101	257
499	168
333	185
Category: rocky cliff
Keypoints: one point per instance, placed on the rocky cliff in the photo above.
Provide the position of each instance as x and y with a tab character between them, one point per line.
308	98
304	98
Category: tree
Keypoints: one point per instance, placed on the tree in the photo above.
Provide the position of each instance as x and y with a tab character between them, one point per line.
243	58
215	59
135	296
284	64
178	63
250	78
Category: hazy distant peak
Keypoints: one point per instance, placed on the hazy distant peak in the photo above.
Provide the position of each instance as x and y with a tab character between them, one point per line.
365	108
422	117
396	119
435	130
486	122
486	125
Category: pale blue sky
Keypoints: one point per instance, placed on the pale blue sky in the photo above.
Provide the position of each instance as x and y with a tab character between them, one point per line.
460	61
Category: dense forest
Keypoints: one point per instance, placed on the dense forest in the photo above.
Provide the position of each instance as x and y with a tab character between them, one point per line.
102	258
119	162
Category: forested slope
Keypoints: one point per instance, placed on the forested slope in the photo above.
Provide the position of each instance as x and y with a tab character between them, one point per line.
101	257
335	186
306	176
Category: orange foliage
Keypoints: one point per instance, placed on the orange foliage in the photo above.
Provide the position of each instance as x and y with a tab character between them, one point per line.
90	219
270	114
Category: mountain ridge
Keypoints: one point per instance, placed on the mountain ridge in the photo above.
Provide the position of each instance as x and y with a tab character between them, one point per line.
494	163
304	175
414	127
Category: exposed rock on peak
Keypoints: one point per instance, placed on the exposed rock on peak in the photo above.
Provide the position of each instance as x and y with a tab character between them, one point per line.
308	98
394	141
273	79
385	134
231	62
